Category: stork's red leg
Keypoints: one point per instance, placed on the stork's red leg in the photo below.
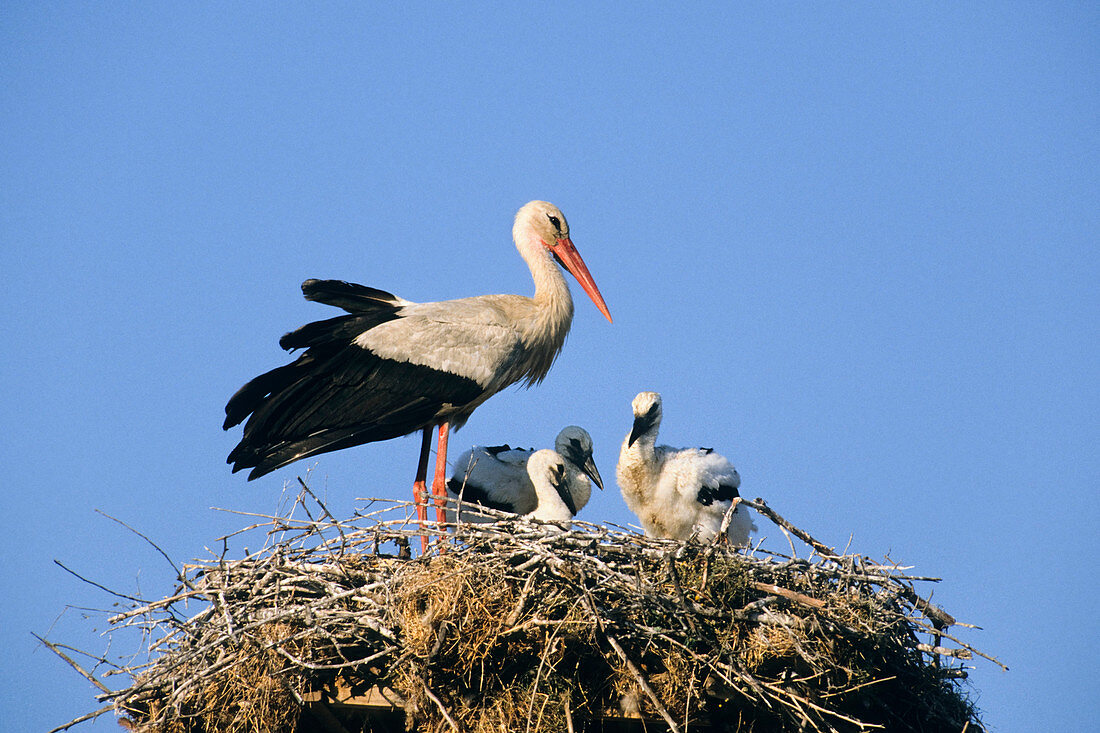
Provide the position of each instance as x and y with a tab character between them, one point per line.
420	488
439	483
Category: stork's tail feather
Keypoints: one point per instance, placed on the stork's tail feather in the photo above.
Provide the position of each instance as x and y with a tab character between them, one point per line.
265	459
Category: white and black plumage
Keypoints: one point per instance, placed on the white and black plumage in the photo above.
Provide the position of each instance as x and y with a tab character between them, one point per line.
677	493
497	476
391	367
549	475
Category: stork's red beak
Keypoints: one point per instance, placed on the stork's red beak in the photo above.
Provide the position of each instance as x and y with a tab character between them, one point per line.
571	260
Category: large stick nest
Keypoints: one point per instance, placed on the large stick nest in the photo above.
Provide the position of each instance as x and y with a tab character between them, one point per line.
519	626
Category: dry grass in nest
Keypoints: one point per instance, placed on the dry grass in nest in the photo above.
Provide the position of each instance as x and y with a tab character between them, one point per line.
518	626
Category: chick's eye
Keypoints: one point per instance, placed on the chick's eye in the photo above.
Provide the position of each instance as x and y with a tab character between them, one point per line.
555	221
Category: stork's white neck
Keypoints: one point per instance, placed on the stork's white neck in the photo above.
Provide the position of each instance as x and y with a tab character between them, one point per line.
545	332
552	294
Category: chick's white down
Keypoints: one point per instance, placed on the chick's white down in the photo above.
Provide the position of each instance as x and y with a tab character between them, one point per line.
548	475
677	493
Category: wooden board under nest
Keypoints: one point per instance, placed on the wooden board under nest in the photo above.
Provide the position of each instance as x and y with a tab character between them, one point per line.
517	626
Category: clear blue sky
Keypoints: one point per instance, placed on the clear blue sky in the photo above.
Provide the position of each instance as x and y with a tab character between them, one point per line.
854	246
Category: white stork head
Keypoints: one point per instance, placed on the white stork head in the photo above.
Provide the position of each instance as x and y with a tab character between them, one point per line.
548	475
541	225
647	416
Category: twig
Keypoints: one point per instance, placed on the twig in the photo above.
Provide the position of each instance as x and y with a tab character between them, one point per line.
442	709
82	719
726	519
935	614
154	545
941	651
59	564
641	680
513	617
538	672
83	672
790	595
670	564
630	665
336	524
760	506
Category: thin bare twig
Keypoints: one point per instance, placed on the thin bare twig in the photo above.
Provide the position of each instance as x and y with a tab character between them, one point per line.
72	572
442	708
56	649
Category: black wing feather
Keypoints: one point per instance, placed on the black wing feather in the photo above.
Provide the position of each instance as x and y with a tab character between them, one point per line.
351	297
333	334
710	494
336	395
477	495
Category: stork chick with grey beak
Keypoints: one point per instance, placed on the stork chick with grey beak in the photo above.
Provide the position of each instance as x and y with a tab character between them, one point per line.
391	367
677	493
496	476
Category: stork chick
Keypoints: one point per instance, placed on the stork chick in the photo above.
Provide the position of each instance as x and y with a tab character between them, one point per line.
548	475
677	493
497	477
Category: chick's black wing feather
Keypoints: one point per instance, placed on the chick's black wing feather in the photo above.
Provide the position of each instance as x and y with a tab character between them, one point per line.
723	492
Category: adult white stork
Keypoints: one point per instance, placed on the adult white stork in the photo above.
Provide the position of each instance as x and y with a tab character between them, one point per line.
497	476
677	493
391	367
549	475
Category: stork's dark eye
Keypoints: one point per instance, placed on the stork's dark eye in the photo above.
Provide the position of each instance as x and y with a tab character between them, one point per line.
555	221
